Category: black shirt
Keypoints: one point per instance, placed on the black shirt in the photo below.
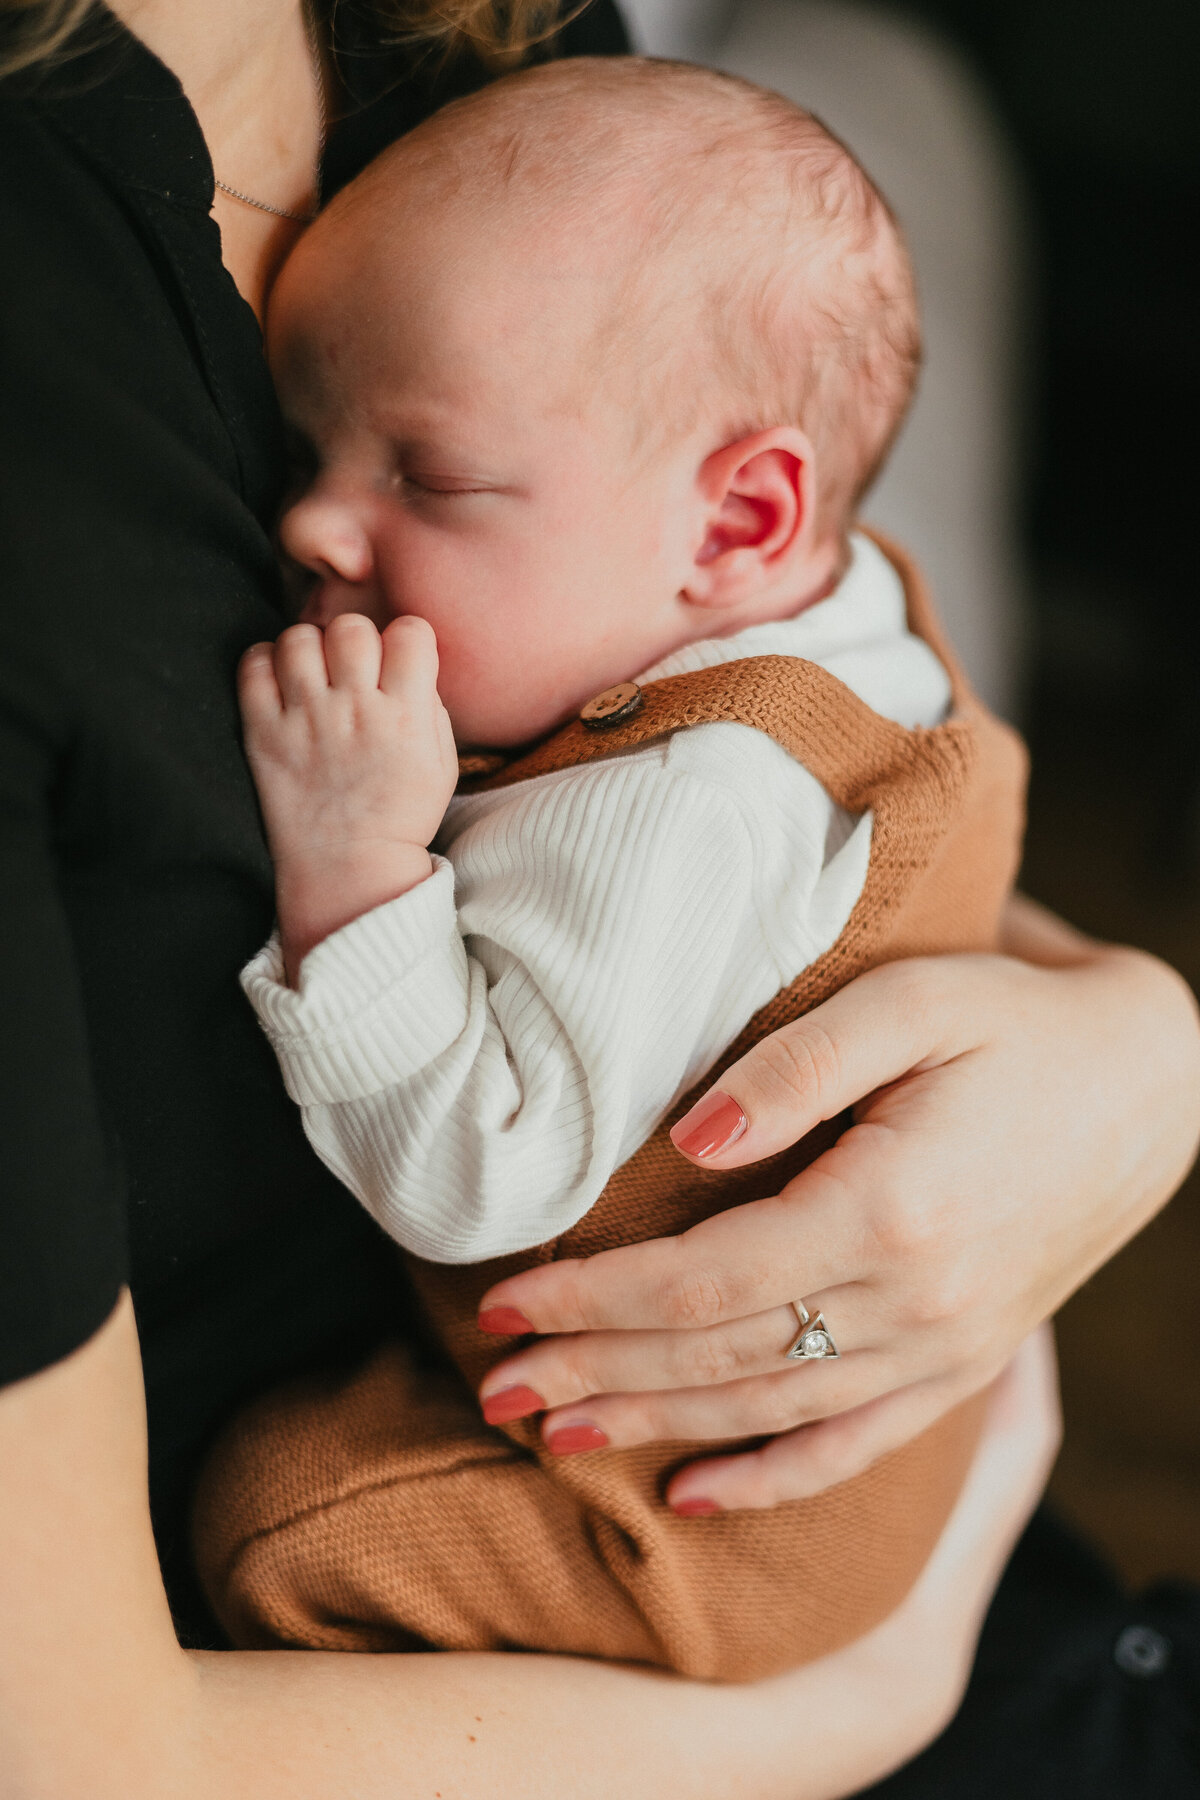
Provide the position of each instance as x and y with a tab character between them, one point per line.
145	1135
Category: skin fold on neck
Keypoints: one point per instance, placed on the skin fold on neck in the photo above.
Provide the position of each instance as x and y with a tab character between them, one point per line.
248	69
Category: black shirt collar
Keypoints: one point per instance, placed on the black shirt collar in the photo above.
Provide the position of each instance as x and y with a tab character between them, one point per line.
128	111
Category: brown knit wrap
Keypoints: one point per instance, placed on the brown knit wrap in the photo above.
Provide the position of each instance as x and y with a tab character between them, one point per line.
378	1512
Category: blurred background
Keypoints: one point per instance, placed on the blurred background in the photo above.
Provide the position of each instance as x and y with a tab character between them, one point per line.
1044	159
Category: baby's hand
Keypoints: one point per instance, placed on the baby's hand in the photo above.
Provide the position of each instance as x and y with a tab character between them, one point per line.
354	759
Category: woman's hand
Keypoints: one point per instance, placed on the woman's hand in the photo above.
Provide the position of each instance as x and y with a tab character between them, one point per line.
1015	1122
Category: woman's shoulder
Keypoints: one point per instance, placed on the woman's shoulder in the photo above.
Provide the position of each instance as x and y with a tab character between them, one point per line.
140	434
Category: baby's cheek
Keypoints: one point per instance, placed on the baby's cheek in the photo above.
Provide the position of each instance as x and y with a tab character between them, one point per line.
513	659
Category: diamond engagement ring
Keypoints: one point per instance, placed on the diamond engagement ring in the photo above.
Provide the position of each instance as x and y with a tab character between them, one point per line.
815	1340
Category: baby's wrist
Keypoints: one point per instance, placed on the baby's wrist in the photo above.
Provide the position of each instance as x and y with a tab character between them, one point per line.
317	895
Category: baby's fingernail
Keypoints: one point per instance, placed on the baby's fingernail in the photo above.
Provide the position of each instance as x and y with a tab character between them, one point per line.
568	1439
511	1403
694	1509
504	1321
713	1124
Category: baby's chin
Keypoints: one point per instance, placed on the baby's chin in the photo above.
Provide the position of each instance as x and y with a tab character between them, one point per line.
507	722
506	735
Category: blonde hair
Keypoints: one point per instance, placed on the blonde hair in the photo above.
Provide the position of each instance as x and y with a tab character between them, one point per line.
790	297
35	31
500	32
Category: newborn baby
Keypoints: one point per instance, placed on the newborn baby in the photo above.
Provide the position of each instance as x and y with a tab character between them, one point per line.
592	370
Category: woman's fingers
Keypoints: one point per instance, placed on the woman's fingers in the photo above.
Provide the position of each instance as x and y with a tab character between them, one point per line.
871	1033
814	1457
556	1372
1025	1427
795	1394
738	1263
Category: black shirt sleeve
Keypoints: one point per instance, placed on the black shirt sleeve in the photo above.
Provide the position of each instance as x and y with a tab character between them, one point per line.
62	1224
63	1239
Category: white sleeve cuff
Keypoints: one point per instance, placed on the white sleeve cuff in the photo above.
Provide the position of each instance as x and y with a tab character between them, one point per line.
377	1000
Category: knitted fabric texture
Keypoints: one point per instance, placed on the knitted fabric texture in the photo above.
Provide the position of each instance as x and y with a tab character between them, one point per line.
377	1511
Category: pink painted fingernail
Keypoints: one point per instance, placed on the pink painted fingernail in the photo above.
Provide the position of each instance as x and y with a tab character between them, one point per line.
713	1124
511	1403
694	1509
568	1440
504	1321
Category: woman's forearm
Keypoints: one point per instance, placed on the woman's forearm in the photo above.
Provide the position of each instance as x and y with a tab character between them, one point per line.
317	1726
97	1701
1149	1014
1034	934
551	1728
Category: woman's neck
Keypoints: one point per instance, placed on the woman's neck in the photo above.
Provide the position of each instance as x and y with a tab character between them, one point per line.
249	70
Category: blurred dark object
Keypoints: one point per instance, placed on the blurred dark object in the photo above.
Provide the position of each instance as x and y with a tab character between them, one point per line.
1100	97
1080	1691
1129	1342
1101	101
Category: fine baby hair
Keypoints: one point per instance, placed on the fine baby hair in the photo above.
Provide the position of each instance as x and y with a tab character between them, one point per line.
751	271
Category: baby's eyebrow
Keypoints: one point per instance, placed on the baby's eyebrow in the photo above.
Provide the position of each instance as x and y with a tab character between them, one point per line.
415	448
410	442
427	432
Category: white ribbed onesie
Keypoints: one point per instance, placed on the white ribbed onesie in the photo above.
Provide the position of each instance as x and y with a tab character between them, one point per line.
476	1057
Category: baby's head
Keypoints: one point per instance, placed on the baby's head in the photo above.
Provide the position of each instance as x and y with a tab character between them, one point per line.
592	364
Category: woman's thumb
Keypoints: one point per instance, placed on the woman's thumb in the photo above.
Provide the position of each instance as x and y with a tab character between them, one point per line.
871	1033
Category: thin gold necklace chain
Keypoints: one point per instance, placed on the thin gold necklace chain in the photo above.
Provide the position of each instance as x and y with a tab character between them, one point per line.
283	212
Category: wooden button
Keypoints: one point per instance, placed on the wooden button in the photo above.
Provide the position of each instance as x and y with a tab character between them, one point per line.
612	707
474	764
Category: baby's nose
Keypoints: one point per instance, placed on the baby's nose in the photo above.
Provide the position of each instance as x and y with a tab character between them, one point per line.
322	534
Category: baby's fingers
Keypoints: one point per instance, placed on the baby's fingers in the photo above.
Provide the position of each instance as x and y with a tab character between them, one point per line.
353	653
258	690
300	664
410	661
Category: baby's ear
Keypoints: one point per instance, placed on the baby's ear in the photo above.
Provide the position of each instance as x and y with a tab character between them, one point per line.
756	510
